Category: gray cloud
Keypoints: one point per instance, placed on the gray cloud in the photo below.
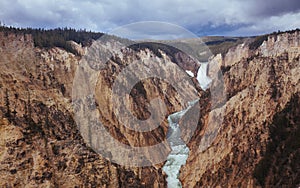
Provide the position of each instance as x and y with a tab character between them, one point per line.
153	30
217	17
273	7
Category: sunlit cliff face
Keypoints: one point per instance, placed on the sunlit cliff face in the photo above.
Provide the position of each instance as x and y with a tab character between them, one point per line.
40	144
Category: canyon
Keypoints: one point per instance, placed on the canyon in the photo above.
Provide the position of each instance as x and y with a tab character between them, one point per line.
243	131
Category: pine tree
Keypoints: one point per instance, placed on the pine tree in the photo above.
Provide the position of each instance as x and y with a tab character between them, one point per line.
7	104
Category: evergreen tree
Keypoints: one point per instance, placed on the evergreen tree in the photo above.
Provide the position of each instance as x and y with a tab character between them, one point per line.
7	104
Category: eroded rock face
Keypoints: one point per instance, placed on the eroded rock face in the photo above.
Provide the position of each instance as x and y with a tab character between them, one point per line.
138	80
234	55
278	44
258	86
40	143
77	48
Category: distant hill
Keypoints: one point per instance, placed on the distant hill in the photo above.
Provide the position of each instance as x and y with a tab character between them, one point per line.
59	37
205	46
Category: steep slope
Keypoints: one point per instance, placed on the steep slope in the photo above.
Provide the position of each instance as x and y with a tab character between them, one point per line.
40	142
261	84
280	163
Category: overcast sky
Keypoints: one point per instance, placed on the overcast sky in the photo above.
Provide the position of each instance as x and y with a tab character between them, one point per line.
202	17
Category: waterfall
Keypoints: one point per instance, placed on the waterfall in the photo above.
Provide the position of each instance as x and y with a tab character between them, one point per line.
202	77
180	151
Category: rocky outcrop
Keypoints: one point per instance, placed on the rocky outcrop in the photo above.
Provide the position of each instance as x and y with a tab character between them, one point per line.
259	86
76	48
278	44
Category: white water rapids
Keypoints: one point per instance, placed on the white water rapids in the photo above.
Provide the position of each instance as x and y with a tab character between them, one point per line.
180	151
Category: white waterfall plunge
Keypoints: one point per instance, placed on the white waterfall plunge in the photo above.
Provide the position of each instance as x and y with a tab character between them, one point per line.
202	77
180	151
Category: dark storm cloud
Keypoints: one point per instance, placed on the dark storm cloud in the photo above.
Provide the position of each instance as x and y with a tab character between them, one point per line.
218	17
273	7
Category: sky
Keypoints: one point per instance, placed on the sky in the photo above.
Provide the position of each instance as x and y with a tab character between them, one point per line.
201	17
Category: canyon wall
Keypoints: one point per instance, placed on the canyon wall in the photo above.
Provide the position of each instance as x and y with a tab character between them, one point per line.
260	84
40	142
